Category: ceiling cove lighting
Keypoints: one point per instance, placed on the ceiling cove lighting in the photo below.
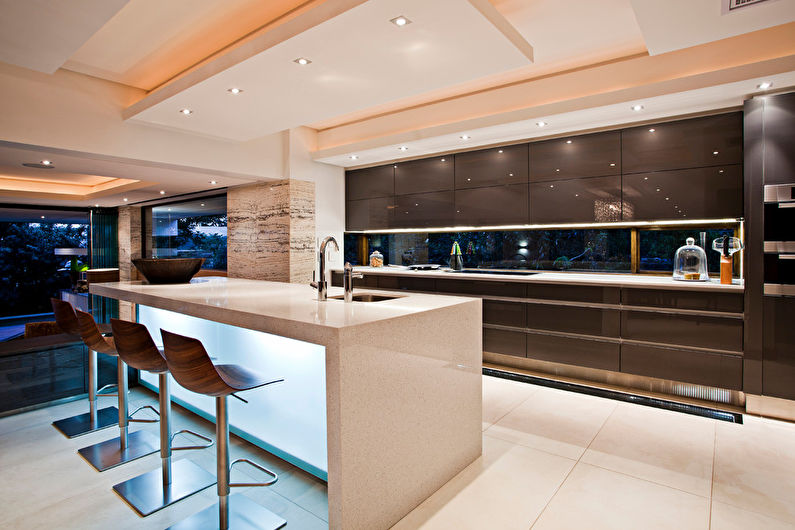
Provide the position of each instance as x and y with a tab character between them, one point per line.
615	224
764	86
303	61
637	108
541	124
400	21
185	112
234	91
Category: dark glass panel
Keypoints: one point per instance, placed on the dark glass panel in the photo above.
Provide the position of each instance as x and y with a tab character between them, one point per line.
658	247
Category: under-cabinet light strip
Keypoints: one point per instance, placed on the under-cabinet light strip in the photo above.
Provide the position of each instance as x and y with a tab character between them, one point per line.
615	224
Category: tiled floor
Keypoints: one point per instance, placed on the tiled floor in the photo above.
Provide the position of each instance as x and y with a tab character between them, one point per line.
551	460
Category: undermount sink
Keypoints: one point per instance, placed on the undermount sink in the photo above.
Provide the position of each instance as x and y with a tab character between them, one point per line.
366	297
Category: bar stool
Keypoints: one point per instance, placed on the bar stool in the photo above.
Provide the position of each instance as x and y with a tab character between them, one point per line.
94	419
192	368
158	488
127	446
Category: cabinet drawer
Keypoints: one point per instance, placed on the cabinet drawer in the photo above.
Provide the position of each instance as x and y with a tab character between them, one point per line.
779	347
591	155
504	313
583	320
368	214
497	288
491	167
684	330
580	352
701	368
595	199
494	205
370	183
574	293
504	342
406	284
423	176
703	301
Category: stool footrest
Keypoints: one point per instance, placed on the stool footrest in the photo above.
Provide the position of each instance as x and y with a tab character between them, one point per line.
253	484
209	441
139	409
108	394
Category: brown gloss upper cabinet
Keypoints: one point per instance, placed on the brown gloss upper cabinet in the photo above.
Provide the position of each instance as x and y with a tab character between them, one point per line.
590	155
778	367
700	193
697	142
491	167
495	205
779	116
595	199
423	210
370	183
369	214
424	176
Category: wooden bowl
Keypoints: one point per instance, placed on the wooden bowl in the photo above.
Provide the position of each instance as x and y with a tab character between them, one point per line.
162	271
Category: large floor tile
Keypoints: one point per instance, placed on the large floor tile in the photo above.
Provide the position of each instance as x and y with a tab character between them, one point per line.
562	423
668	448
596	498
506	488
500	396
755	467
728	517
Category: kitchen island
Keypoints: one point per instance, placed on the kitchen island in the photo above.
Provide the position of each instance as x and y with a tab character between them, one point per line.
381	398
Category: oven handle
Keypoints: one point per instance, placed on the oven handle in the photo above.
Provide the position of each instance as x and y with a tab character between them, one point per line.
786	205
786	256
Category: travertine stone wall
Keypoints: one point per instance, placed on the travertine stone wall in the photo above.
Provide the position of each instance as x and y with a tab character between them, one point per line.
129	249
271	231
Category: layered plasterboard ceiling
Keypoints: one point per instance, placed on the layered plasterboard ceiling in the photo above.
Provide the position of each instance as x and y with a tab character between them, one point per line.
490	70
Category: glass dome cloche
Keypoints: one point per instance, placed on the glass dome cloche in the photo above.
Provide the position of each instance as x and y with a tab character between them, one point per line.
690	263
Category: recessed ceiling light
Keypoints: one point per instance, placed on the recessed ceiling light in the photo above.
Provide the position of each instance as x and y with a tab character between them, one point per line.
465	137
403	148
568	141
637	108
764	86
651	130
45	162
400	21
541	123
303	61
213	182
96	206
162	192
125	199
186	112
234	91
354	157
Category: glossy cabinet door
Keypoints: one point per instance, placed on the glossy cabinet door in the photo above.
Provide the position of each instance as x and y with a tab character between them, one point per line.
586	200
368	214
423	210
370	183
701	368
424	176
778	365
701	193
505	342
491	167
683	330
570	319
590	155
779	139
697	142
604	355
495	205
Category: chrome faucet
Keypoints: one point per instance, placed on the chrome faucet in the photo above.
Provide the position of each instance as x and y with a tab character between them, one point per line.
347	281
321	284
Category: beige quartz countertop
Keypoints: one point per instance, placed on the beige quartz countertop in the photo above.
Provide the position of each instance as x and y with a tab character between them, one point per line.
641	281
267	306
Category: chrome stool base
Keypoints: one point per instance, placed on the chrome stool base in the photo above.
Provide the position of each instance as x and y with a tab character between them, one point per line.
83	424
146	494
109	454
244	514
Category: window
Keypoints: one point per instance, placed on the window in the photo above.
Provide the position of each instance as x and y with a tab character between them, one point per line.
188	229
658	247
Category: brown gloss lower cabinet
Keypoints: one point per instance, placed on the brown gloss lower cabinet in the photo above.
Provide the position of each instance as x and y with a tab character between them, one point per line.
778	365
584	200
683	330
504	313
505	342
699	300
576	351
701	368
493	205
582	320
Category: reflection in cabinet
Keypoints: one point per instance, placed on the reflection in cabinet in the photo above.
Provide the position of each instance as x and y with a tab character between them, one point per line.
701	368
491	167
684	330
595	199
701	193
580	352
590	155
424	210
367	214
568	319
778	379
505	342
698	142
369	183
495	205
423	176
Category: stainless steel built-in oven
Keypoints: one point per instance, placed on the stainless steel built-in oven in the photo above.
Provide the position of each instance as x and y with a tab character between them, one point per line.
780	239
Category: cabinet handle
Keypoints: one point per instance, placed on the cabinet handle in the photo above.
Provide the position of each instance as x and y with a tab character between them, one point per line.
786	256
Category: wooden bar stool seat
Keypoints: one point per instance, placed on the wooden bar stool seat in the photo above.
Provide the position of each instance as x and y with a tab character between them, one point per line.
127	446
152	491
95	419
193	369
